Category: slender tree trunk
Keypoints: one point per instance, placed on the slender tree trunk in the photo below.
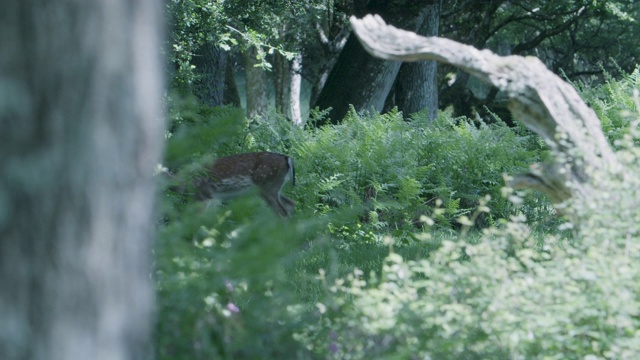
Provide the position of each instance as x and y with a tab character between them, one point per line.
288	79
316	90
294	113
281	80
287	84
256	82
416	86
81	89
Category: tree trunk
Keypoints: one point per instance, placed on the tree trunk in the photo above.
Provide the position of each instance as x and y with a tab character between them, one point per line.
360	80
256	84
282	73
211	66
330	51
231	94
294	113
478	17
82	128
356	80
216	85
416	86
540	99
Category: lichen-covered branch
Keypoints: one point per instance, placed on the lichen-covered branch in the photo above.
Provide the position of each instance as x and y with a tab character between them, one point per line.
541	100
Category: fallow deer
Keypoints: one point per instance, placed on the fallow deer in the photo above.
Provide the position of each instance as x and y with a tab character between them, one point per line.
233	175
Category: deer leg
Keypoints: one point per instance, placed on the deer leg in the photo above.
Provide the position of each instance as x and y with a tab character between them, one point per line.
288	204
276	204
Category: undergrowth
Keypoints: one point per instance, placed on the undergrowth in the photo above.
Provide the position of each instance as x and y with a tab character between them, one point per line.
401	245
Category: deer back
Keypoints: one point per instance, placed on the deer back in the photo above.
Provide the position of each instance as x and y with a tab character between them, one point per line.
228	176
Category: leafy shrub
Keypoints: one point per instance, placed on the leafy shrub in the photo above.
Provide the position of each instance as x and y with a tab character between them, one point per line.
223	286
505	297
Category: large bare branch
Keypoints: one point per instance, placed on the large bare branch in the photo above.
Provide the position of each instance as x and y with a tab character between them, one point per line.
541	100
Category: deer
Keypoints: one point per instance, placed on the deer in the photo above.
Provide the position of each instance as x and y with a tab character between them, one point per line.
230	176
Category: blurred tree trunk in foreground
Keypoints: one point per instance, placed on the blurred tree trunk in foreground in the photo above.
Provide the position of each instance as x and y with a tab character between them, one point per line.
81	120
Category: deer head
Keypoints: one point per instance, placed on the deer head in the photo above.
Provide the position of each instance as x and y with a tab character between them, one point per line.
233	175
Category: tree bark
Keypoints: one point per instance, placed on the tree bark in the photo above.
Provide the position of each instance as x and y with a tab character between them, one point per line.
256	85
416	86
82	128
281	72
287	82
231	94
541	100
211	67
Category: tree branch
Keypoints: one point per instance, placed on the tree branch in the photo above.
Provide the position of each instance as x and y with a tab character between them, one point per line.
541	100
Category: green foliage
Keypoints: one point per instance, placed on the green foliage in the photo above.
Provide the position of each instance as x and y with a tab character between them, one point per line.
612	211
193	23
202	133
612	103
198	131
565	35
510	294
383	259
233	25
222	287
220	270
504	297
362	179
392	170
